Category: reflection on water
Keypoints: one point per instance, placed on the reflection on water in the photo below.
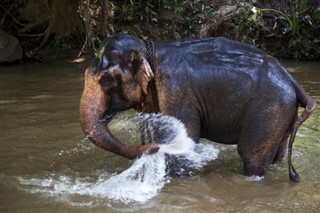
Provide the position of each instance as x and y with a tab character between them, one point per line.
41	139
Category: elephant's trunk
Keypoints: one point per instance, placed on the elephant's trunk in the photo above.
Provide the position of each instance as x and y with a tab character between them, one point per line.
93	108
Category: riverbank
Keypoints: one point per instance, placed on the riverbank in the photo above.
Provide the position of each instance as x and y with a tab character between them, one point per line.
67	55
284	29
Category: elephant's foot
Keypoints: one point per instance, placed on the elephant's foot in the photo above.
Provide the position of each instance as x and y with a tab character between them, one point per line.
253	170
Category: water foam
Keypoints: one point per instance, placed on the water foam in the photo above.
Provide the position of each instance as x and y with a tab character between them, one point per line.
172	136
140	182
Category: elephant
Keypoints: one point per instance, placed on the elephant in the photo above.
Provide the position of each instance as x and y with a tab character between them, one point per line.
222	90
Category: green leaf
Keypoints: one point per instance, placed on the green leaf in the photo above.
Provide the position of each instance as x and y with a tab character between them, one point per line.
301	5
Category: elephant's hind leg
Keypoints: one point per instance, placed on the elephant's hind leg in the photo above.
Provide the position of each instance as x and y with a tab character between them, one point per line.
283	146
258	157
261	144
281	149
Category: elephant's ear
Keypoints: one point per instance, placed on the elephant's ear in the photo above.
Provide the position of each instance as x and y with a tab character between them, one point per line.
141	69
144	74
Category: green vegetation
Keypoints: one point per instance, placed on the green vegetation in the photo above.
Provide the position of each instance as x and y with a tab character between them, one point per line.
302	31
287	29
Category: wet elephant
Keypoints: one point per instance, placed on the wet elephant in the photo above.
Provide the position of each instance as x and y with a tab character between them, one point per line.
223	90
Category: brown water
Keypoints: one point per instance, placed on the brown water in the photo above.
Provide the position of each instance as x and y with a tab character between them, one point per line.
41	141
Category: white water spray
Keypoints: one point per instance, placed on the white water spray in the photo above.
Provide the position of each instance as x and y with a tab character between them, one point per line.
146	176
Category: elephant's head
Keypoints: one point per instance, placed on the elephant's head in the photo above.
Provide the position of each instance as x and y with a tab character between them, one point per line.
116	81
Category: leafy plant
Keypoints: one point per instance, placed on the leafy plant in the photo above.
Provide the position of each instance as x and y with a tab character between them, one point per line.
294	18
303	24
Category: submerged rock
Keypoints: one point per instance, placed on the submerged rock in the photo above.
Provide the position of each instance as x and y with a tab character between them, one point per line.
10	48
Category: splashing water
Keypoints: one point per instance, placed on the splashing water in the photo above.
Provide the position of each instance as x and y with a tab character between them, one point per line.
172	136
146	176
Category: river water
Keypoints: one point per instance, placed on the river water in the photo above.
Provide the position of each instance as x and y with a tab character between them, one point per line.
47	165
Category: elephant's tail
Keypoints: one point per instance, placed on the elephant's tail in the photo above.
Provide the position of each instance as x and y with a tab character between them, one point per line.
309	104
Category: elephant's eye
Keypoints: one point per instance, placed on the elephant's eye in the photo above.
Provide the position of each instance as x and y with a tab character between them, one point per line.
107	82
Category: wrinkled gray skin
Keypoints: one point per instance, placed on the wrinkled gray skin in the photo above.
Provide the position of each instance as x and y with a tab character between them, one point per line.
226	91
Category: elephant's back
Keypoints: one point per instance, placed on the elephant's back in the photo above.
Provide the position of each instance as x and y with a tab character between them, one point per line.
220	64
214	44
